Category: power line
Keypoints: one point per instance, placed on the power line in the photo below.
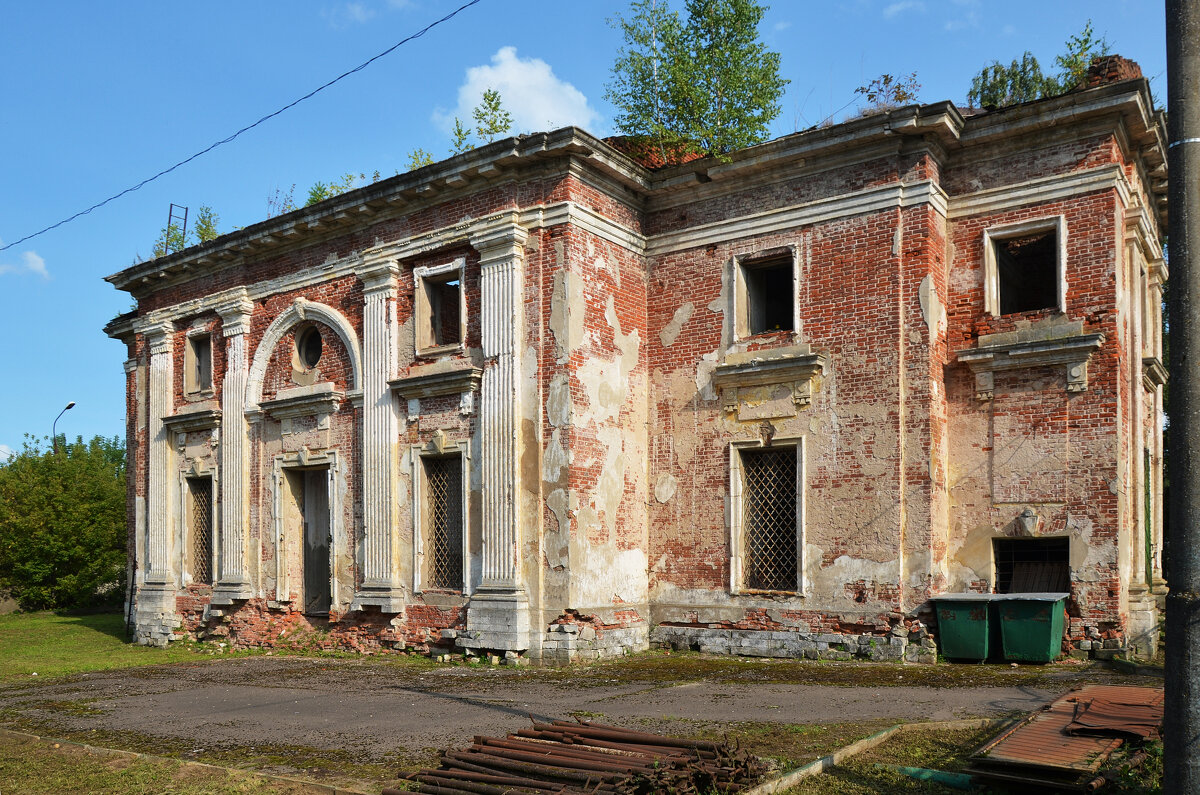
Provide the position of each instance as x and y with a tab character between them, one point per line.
248	127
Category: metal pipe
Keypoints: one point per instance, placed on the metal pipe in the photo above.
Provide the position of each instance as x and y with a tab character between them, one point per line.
1181	735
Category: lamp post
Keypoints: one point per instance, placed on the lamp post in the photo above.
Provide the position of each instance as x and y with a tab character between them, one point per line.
53	425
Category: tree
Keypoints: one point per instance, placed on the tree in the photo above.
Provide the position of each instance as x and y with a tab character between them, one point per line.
206	224
707	83
171	238
459	137
418	158
886	91
62	523
998	86
491	119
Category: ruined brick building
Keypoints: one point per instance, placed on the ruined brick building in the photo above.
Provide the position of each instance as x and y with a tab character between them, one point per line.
541	399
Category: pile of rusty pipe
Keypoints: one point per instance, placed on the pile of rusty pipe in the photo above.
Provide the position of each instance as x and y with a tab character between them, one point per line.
585	758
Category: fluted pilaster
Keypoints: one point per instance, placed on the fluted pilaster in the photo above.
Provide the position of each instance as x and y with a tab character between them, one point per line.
381	582
160	339
233	578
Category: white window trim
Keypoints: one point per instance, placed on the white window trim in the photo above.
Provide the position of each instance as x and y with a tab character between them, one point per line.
198	469
190	382
337	548
438	449
741	303
991	272
422	309
736	529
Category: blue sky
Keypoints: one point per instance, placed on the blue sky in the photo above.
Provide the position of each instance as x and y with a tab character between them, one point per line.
95	97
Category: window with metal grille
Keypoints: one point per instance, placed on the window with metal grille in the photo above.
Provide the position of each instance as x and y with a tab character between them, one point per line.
1032	565
200	530
769	548
443	522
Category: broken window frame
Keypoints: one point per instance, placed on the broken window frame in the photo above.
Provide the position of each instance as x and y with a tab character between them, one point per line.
422	564
427	307
737	505
992	288
198	363
198	471
745	268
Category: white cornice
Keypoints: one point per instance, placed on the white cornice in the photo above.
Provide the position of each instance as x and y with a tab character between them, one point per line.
867	201
1038	190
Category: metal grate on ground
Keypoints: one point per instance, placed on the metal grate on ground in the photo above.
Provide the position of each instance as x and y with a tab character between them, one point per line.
770	519
443	520
201	530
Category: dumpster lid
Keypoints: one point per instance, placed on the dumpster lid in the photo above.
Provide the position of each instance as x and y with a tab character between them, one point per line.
970	596
1045	596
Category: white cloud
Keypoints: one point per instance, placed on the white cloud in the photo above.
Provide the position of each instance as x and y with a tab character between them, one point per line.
6	453
344	15
529	90
30	263
896	9
781	25
970	18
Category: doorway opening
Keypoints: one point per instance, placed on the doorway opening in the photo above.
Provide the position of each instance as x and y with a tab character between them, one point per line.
306	514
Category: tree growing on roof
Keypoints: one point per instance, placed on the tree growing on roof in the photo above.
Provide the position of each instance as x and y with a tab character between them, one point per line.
706	82
998	86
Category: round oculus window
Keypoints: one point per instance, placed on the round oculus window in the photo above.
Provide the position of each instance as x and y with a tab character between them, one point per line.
308	347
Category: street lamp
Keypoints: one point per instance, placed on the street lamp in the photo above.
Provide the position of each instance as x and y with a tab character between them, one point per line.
53	425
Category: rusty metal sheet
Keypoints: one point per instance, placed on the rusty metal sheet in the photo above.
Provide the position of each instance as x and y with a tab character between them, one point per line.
1131	712
1041	741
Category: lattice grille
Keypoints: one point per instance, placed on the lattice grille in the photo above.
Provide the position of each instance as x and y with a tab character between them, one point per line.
443	522
201	530
769	519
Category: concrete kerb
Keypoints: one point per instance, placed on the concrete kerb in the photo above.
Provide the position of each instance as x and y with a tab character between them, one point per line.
324	789
794	777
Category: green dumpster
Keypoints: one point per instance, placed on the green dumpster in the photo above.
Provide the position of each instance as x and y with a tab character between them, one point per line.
1031	625
963	626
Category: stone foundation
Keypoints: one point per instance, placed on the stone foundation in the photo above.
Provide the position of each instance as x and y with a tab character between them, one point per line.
893	647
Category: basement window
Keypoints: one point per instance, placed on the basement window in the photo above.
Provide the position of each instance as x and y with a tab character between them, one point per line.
765	294
198	363
200	544
767	502
1032	565
440	307
442	522
1025	267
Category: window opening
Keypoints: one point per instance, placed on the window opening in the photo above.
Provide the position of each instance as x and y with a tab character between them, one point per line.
1027	269
769	518
201	526
309	517
309	347
443	529
199	370
1032	565
443	295
769	299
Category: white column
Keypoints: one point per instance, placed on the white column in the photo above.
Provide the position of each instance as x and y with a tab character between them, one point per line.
160	338
233	581
498	616
502	323
381	585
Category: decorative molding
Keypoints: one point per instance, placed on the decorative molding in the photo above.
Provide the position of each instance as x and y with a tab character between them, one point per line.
315	401
445	382
1072	351
796	368
300	310
1154	374
192	421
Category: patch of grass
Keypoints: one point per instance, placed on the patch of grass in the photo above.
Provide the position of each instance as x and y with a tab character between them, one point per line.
791	745
675	667
36	767
946	750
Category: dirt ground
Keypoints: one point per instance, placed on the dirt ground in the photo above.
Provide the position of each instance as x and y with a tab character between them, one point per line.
373	710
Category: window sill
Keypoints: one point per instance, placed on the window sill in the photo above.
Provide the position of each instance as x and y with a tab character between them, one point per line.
438	351
1040	345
